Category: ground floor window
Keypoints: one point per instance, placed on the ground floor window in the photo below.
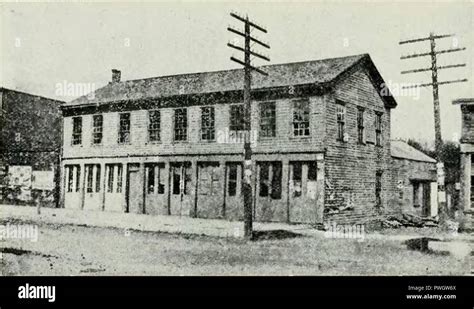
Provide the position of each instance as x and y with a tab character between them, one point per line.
181	177
270	179
155	178
209	178
92	177
73	174
233	179
378	188
303	176
114	177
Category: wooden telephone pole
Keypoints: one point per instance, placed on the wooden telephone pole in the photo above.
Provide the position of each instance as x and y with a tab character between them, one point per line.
433	53
248	68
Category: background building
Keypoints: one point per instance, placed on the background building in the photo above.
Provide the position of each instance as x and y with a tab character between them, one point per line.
30	144
467	150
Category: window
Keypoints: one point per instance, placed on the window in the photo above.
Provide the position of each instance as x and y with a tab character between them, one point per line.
267	119
114	177
110	178
303	177
76	130
237	118
155	178
180	124
93	178
209	180
124	128
378	188
207	123
341	121
270	179
378	129
97	127
360	125
181	173
73	174
154	126
301	118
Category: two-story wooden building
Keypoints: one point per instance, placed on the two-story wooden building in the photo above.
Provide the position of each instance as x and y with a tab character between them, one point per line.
172	145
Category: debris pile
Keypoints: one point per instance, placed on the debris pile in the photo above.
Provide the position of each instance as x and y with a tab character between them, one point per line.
406	219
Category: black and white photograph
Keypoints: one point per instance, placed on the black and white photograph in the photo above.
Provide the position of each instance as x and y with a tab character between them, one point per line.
316	139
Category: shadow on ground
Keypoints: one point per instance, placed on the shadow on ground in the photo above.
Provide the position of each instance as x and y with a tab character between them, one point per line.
274	234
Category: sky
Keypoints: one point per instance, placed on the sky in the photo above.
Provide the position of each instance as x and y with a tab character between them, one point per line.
46	47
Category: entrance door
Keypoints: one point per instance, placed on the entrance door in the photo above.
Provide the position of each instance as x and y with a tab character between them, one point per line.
426	199
302	191
210	190
134	189
181	197
234	204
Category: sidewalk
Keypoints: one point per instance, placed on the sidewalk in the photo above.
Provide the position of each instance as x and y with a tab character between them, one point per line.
149	223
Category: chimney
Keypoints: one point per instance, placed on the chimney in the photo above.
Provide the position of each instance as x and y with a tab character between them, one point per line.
115	76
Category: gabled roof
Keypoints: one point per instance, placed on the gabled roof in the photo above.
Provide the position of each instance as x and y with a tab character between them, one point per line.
401	150
319	72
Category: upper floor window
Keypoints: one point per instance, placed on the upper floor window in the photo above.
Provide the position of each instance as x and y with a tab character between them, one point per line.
267	119
237	118
301	118
378	129
124	128
76	130
97	128
207	123
341	120
154	126
360	125
180	124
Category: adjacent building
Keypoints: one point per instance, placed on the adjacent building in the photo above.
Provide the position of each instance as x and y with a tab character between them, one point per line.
416	178
173	145
30	143
467	159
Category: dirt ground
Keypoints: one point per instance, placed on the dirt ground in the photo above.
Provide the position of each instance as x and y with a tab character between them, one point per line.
80	250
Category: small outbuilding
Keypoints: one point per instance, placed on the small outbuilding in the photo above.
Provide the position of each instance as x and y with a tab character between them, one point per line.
415	174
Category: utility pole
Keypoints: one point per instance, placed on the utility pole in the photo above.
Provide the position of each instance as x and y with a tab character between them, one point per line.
248	68
436	106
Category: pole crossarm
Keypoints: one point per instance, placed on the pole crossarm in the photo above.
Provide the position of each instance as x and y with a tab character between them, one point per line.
436	53
439	68
250	37
251	52
251	67
426	39
252	24
434	84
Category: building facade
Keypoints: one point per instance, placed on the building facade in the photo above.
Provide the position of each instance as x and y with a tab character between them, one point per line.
173	145
416	178
30	144
467	159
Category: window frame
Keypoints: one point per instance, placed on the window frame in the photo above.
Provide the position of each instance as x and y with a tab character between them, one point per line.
209	129
186	123
151	130
361	125
294	108
378	129
236	127
120	131
340	120
76	135
270	120
95	129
